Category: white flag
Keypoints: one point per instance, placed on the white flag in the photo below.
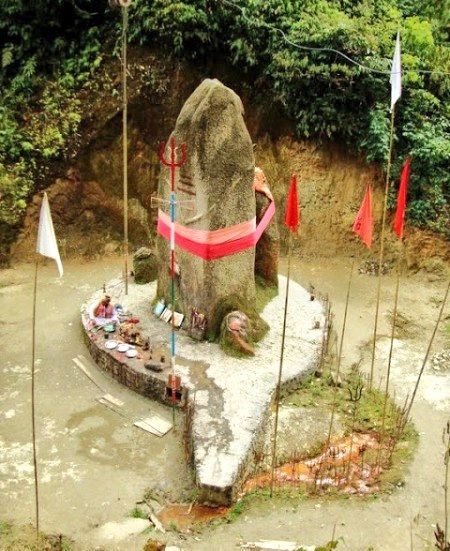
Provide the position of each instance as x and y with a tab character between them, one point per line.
396	73
46	240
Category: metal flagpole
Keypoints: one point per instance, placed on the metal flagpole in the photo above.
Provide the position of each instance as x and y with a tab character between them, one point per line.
33	409
173	164
380	259
173	203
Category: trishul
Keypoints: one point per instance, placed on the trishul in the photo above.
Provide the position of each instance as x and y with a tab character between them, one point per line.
173	164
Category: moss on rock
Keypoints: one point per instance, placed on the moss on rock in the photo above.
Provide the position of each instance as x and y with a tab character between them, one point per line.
234	302
145	266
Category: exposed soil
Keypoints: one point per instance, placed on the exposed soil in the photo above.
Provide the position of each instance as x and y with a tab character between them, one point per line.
86	189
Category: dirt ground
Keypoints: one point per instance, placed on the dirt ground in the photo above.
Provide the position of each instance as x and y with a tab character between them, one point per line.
95	466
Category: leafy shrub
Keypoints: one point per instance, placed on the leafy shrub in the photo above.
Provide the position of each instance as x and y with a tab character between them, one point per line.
326	95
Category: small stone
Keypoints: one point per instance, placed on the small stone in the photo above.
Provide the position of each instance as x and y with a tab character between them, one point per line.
234	333
145	266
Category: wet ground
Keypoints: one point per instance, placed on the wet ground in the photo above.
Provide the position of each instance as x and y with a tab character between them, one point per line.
95	466
384	523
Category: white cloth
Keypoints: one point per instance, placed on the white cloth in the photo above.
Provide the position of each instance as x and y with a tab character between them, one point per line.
396	73
46	239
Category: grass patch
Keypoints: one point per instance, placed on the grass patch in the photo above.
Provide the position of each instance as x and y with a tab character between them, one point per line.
321	392
173	526
231	350
366	417
447	331
5	528
149	530
23	537
137	512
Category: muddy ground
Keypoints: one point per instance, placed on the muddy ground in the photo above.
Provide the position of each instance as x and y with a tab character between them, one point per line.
95	466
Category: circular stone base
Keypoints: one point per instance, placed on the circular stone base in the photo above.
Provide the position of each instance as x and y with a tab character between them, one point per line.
228	398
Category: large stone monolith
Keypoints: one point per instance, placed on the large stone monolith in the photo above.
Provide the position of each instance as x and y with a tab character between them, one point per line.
219	170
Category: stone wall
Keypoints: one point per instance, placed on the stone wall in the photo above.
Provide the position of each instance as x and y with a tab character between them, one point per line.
129	371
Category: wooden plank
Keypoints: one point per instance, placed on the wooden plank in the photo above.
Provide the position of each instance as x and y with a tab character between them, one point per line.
85	370
274	545
158	423
113	400
148	428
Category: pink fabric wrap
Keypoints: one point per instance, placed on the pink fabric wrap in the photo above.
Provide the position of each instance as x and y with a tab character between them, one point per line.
210	245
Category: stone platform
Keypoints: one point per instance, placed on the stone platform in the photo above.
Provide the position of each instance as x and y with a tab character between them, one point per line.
229	398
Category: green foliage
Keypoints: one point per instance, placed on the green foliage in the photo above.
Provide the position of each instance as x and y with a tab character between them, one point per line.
327	547
137	512
321	392
15	185
5	528
327	96
236	510
50	49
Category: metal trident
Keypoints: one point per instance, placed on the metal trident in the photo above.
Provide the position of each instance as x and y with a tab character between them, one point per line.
173	164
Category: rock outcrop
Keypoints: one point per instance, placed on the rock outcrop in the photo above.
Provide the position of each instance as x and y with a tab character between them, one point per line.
219	172
267	250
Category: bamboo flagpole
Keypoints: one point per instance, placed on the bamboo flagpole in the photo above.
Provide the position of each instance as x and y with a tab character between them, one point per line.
363	227
291	220
396	91
399	221
338	368
425	360
46	246
33	393
125	4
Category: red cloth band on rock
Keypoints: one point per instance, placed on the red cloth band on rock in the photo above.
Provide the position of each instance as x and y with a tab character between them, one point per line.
211	245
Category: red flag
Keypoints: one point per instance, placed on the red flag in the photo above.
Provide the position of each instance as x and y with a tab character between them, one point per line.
363	225
292	215
401	199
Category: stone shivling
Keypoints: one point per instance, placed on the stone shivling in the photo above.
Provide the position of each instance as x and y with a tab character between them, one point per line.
227	351
217	181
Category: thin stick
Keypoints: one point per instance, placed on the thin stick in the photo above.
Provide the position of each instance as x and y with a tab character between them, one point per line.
380	259
408	410
125	144
33	416
388	374
411	536
446	463
277	393
334	533
338	369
